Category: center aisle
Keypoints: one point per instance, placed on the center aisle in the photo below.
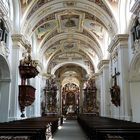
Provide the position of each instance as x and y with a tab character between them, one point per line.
70	131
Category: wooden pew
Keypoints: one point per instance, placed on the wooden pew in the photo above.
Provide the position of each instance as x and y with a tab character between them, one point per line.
40	128
102	128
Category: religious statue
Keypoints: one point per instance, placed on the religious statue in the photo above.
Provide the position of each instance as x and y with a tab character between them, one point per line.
115	91
136	30
50	96
90	96
27	70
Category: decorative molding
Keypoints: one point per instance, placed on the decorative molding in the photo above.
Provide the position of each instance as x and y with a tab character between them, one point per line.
3	9
136	8
102	63
4	50
120	39
96	75
134	77
19	40
136	46
5	80
70	20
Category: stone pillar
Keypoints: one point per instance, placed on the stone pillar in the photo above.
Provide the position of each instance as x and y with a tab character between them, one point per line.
51	96
98	85
119	50
81	97
18	43
37	102
34	109
5	82
59	97
103	66
4	99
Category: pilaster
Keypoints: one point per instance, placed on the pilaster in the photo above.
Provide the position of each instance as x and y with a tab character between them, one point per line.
18	45
119	56
103	67
34	109
59	97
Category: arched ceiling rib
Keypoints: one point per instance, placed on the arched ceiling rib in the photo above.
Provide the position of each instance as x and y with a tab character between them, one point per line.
89	8
77	70
62	26
78	36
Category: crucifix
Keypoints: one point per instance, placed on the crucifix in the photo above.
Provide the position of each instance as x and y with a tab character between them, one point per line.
115	90
115	77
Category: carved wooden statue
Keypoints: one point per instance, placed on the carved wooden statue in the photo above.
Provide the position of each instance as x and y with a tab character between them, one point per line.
115	91
50	93
90	105
27	70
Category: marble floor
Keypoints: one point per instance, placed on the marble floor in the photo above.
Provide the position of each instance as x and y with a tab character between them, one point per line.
70	131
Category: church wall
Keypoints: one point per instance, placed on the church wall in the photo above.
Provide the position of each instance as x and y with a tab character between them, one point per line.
134	81
4	102
119	55
129	87
59	97
123	82
42	96
104	88
135	96
34	109
15	81
114	111
134	62
4	89
98	84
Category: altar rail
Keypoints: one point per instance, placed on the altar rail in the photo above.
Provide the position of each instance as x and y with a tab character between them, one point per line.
102	128
40	128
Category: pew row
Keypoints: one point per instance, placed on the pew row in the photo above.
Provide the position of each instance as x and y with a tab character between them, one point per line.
102	128
39	128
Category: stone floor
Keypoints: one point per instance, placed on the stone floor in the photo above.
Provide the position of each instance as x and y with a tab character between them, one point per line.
70	131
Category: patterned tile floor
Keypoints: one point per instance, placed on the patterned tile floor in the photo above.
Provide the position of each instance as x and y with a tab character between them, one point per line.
70	131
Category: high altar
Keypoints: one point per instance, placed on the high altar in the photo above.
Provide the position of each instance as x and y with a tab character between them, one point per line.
70	99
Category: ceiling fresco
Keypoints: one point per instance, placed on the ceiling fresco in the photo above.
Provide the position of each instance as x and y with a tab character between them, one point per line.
69	34
45	28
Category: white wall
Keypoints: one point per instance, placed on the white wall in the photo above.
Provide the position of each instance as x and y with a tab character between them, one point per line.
135	100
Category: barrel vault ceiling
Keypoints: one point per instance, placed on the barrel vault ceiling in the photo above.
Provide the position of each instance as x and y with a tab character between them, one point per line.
69	34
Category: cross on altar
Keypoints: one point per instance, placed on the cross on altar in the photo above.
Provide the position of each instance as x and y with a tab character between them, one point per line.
115	77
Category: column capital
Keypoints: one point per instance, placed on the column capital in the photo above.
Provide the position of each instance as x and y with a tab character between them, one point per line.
119	39
20	41
102	64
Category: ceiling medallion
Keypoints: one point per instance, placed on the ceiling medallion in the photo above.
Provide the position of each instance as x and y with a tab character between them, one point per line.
69	3
70	21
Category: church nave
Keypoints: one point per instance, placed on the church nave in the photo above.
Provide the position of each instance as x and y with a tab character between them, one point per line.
73	59
70	130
